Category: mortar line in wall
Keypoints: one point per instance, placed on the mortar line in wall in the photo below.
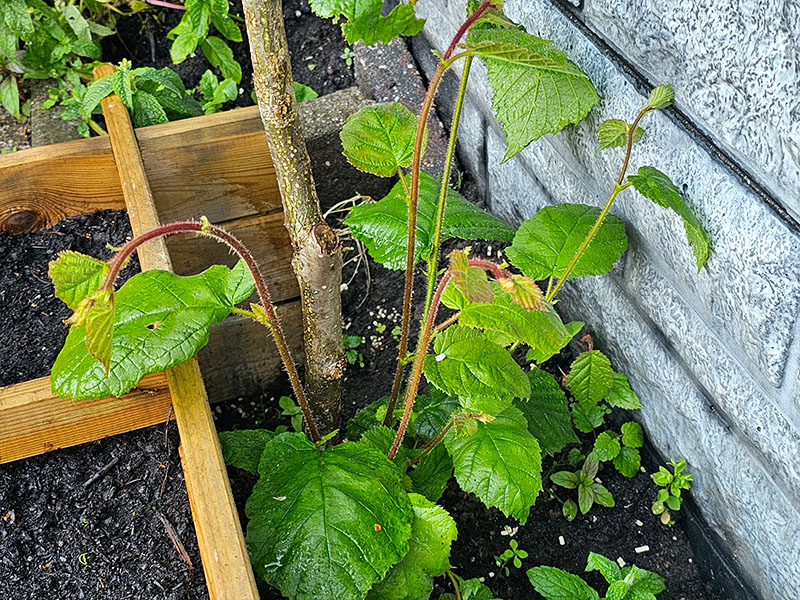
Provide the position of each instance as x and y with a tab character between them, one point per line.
792	497
629	71
790	389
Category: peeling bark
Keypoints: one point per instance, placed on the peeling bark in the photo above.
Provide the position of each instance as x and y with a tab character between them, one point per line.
317	260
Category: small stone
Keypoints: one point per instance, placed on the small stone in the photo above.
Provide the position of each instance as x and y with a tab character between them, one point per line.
638	523
621	562
641	549
561	540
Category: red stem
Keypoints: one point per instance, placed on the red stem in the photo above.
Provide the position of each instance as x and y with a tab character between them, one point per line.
166	4
488	265
486	5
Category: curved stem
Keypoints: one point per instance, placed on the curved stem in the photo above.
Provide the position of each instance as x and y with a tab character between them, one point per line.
433	442
241	250
454	581
618	187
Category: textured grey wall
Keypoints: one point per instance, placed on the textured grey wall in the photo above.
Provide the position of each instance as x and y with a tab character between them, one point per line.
714	355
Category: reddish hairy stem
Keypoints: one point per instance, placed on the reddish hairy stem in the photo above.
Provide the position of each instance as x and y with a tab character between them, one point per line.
165	4
488	265
241	250
416	374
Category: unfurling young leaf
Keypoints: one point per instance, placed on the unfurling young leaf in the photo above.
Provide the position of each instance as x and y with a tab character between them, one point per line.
614	134
607	446
472	281
75	276
365	21
524	291
536	89
379	139
632	435
662	96
658	187
545	244
99	325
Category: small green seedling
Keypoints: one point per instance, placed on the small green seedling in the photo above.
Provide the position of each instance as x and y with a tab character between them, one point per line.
351	344
626	583
293	411
589	491
513	554
621	448
669	496
347	56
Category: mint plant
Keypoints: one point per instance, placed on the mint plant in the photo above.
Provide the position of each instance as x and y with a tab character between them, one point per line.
669	496
626	583
589	491
369	501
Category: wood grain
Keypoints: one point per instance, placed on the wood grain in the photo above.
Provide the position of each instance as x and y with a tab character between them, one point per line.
226	563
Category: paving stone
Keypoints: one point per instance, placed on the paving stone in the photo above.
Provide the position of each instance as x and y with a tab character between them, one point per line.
735	68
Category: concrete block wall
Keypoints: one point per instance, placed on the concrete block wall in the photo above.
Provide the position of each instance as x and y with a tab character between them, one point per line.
715	356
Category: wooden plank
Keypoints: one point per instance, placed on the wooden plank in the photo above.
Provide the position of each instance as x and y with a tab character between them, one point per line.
225	559
33	421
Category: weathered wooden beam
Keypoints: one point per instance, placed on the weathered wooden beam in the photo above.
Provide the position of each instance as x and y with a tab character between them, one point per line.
226	563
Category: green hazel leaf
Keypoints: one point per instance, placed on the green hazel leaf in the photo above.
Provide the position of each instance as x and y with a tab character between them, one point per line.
569	510
500	463
472	281
602	496
587	416
147	110
433	530
661	96
547	413
312	512
590	377
632	435
383	226
240	284
565	479
366	419
536	89
481	374
365	21
453	297
220	55
617	591
607	446
555	584
542	330
658	187
614	134
75	276
379	139
99	326
243	449
161	320
432	473
95	92
585	498
524	291
607	568
621	395
627	462
464	424
545	244
304	92
540	356
435	410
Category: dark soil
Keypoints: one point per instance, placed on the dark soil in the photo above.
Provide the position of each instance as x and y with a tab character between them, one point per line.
60	538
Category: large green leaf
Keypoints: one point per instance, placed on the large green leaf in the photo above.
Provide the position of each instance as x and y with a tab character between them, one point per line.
75	276
379	139
435	410
383	226
545	244
536	89
621	394
432	532
192	29
147	110
500	463
658	187
365	21
243	448
326	524
161	320
220	55
365	419
481	374
590	377
547	413
555	584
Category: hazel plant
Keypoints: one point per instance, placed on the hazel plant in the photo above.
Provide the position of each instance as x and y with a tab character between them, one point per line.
370	501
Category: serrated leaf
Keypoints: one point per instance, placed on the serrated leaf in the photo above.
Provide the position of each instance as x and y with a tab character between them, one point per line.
303	92
432	473
95	92
545	244
536	89
524	291
661	96
472	281
628	461
365	21
75	276
147	110
617	591
435	410
433	530
614	134
607	568
587	416
540	356
18	19
314	511
383	226
365	419
642	581
500	463
658	187
240	284
161	320
190	31
607	446
481	374
243	449
590	377
99	326
632	434
621	395
123	87
379	139
166	78
547	413
555	584
220	55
